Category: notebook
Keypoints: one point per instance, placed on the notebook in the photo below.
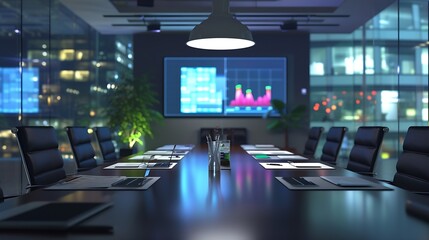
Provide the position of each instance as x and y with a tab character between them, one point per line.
346	181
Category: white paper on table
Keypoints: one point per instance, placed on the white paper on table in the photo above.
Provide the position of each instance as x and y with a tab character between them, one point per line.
279	152
259	147
264	145
165	152
291	157
143	166
156	157
176	147
294	166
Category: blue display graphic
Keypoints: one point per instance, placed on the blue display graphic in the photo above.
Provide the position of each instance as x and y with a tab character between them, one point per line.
10	90
201	91
229	86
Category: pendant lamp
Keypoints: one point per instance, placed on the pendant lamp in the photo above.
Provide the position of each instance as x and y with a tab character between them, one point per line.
220	31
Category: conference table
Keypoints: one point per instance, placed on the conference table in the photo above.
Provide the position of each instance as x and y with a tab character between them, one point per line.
244	202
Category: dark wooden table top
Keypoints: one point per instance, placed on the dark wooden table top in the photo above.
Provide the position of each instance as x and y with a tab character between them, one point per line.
246	202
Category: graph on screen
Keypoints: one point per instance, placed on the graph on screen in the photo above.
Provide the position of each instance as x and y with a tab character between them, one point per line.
222	86
247	99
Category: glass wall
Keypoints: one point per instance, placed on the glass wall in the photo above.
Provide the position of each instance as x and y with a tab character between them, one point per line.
54	70
378	75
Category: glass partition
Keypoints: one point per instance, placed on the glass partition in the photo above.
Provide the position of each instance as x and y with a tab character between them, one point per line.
389	86
54	70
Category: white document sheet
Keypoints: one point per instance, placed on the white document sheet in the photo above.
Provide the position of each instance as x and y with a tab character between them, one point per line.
142	166
295	165
157	157
278	152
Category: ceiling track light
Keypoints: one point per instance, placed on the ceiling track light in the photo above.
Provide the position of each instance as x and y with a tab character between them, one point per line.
220	31
154	27
289	25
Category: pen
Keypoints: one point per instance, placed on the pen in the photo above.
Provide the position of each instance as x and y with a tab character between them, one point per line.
304	166
274	164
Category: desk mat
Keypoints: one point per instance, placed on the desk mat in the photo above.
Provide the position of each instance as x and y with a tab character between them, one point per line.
321	184
93	182
139	166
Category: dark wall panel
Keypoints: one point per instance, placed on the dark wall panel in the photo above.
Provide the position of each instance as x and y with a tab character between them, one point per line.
151	48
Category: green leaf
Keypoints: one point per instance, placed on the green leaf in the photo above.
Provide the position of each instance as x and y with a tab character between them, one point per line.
285	119
130	109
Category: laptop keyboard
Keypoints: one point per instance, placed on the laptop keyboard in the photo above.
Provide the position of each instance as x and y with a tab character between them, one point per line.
131	182
298	181
162	164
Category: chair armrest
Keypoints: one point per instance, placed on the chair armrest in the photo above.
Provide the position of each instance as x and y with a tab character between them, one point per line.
33	187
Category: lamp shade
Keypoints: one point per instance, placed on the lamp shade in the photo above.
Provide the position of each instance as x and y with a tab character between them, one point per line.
220	31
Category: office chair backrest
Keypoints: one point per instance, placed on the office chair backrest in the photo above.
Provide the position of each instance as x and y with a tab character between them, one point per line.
42	159
365	149
83	152
331	148
412	168
105	143
312	141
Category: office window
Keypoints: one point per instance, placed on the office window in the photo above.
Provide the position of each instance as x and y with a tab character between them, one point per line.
389	60
317	61
339	56
424	59
350	60
423	9
388	19
425	113
66	55
407	60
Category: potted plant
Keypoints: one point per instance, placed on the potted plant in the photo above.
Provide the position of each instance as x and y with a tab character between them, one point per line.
130	110
280	120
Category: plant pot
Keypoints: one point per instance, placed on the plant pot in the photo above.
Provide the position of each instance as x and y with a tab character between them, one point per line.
124	152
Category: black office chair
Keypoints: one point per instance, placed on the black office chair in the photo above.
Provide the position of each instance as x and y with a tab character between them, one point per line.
364	152
41	157
83	152
312	141
331	148
105	143
412	168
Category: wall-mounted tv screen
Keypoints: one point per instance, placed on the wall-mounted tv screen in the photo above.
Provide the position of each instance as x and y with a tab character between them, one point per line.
223	86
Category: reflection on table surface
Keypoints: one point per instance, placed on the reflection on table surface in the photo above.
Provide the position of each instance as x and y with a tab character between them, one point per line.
246	202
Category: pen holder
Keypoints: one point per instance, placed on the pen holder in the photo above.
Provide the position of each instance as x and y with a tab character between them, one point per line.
214	157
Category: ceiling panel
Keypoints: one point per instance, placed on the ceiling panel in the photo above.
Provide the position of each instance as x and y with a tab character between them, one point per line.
316	16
